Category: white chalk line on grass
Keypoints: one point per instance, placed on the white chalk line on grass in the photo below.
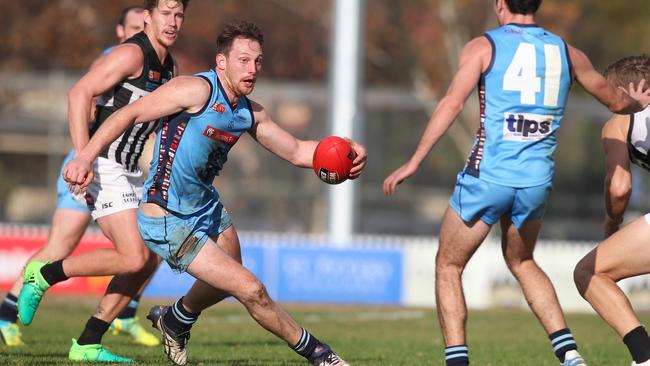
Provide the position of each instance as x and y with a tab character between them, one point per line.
331	317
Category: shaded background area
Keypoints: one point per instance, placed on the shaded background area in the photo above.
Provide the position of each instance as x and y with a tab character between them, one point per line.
410	51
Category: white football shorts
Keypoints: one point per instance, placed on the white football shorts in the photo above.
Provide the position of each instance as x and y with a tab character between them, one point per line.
114	189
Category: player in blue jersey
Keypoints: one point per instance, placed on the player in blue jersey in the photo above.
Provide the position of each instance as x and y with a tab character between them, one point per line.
625	252
69	222
182	217
523	73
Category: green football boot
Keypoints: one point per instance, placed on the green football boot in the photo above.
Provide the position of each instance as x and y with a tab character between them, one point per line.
34	286
94	353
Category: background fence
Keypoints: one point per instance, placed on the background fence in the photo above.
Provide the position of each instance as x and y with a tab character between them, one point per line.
378	270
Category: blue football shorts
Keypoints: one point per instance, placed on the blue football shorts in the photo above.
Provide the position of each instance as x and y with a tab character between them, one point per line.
178	239
65	199
475	198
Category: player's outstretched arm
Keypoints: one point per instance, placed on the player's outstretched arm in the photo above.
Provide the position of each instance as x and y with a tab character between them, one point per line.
615	99
184	93
298	152
618	179
122	62
473	61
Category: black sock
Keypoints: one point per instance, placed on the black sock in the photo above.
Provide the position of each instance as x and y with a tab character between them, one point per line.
638	343
131	309
93	332
53	272
178	319
8	309
562	342
306	345
457	355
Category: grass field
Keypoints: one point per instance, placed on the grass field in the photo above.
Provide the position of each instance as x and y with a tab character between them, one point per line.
364	336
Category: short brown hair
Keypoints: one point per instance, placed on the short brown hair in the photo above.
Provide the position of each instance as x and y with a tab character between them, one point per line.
126	11
151	4
631	69
523	6
238	29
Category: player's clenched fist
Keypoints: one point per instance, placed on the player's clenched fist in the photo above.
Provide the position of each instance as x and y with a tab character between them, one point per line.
78	173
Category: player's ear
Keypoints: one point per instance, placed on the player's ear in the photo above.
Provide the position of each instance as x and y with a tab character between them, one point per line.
147	17
221	61
119	31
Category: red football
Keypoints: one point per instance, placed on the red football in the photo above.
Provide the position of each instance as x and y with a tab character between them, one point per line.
333	160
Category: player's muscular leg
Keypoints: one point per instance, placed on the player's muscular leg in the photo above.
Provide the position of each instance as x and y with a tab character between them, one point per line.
67	228
517	247
624	254
458	242
129	256
202	295
219	270
123	288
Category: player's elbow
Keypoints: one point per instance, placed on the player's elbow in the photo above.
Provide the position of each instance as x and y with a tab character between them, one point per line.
452	105
624	105
619	189
78	92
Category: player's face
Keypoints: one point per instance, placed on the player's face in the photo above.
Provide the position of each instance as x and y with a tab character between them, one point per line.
165	21
133	24
243	64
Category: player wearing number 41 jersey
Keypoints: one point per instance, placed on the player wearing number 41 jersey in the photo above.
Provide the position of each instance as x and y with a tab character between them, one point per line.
523	73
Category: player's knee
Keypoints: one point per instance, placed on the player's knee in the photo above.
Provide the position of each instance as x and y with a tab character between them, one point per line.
254	293
445	266
136	262
582	275
519	264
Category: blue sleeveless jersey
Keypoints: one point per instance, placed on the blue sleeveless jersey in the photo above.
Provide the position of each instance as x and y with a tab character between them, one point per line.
191	149
522	97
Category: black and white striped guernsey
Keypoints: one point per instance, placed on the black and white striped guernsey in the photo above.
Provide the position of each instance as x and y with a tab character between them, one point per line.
638	138
127	149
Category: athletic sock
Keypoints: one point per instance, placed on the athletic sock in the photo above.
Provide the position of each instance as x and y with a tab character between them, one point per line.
562	342
457	355
178	319
131	309
53	272
638	343
306	345
8	309
93	332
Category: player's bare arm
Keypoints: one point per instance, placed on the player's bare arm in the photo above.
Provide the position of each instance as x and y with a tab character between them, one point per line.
618	179
298	152
474	60
125	61
185	93
615	99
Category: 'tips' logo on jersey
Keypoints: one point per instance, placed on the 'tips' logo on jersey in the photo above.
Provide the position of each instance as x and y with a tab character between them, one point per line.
526	126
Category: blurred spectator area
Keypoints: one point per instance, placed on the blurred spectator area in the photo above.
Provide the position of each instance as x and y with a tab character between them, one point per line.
410	52
265	193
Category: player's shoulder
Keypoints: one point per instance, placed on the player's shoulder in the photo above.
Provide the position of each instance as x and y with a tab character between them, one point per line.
478	44
616	127
194	84
125	52
259	112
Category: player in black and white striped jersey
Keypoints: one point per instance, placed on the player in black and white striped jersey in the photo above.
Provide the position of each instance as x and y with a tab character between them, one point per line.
626	250
68	225
128	72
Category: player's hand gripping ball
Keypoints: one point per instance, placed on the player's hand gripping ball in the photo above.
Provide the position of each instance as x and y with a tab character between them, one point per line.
333	160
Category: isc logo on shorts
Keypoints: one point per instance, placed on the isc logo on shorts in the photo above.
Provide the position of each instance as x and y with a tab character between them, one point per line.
526	126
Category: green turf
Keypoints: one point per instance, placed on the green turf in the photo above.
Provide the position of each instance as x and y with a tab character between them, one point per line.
370	336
